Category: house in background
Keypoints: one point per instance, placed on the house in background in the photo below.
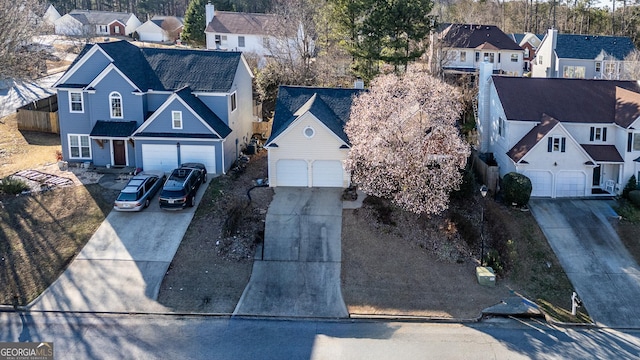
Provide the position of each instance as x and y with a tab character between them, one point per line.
571	137
529	42
581	56
96	23
308	146
155	108
50	16
160	29
461	48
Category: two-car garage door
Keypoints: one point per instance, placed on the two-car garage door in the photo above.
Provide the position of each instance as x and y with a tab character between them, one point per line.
567	183
324	173
165	157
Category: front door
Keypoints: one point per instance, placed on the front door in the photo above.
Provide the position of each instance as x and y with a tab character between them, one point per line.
119	157
596	176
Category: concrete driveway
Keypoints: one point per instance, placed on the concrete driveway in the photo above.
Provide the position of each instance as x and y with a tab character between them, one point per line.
299	274
122	266
600	268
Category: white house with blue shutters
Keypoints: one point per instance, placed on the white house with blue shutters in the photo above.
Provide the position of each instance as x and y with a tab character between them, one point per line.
571	137
150	108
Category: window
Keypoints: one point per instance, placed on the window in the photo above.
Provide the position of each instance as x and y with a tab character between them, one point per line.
75	102
233	102
636	142
540	59
240	41
116	105
514	57
526	52
598	134
117	29
221	40
79	147
176	119
463	56
598	66
490	57
477	56
610	68
557	143
103	29
573	72
501	127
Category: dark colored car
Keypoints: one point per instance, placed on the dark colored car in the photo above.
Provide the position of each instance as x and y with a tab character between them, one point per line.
179	191
137	194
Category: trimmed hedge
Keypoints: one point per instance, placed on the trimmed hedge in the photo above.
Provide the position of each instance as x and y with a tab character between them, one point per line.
517	188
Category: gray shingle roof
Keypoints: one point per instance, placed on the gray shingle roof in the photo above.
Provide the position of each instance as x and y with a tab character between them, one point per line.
226	22
519	150
332	106
114	128
571	46
204	112
568	100
470	36
92	17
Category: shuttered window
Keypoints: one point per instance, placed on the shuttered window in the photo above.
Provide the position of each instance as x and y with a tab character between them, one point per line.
557	144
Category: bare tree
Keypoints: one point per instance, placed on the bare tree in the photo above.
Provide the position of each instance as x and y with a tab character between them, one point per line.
19	22
631	66
173	27
405	144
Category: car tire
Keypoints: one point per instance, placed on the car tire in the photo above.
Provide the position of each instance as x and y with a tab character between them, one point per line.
146	203
192	202
204	178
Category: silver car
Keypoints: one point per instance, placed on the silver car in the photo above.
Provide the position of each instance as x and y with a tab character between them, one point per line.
137	194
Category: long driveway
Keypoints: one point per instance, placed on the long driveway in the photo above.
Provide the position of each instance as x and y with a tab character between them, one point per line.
600	268
121	267
299	274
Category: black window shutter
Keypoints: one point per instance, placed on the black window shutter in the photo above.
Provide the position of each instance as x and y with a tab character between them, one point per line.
604	134
629	141
498	57
550	145
591	137
563	144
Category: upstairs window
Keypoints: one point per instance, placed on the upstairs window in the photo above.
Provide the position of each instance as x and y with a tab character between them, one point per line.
573	72
477	56
501	127
636	142
115	100
526	52
233	102
557	144
240	41
490	57
75	102
176	119
514	57
598	66
598	134
463	56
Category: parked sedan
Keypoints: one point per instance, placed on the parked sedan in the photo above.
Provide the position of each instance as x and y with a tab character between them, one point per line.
139	191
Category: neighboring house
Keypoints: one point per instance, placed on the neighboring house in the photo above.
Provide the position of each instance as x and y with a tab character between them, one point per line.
461	48
50	16
571	137
529	42
581	56
246	32
308	145
96	23
155	108
160	29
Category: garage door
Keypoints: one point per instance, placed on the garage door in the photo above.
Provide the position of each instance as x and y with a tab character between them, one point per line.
291	173
159	157
570	184
205	154
541	181
327	173
150	36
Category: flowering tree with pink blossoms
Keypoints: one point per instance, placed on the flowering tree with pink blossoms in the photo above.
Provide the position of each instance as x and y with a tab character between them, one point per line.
404	142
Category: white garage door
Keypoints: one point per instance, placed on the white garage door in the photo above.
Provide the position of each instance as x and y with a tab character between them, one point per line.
291	173
541	181
205	154
327	173
150	36
159	157
570	184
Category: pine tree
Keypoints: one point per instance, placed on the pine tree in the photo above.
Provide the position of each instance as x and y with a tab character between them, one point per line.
194	23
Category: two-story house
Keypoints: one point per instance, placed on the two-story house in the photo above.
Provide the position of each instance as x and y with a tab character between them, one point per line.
96	23
154	108
461	48
529	43
581	56
571	137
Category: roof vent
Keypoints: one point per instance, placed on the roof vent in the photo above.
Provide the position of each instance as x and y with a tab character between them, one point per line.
488	27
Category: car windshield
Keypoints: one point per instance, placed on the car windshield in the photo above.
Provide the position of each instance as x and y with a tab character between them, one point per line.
171	194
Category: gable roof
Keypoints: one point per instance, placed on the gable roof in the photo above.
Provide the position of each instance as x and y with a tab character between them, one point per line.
568	100
173	20
519	150
227	22
331	106
92	17
570	46
163	69
471	36
204	112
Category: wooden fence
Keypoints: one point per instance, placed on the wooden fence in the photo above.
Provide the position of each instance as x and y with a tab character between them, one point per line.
487	174
40	115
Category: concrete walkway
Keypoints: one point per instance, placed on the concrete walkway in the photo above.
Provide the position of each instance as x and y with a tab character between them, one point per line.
299	274
122	266
600	268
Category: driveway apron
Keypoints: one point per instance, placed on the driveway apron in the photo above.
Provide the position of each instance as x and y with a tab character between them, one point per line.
299	274
121	267
602	271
